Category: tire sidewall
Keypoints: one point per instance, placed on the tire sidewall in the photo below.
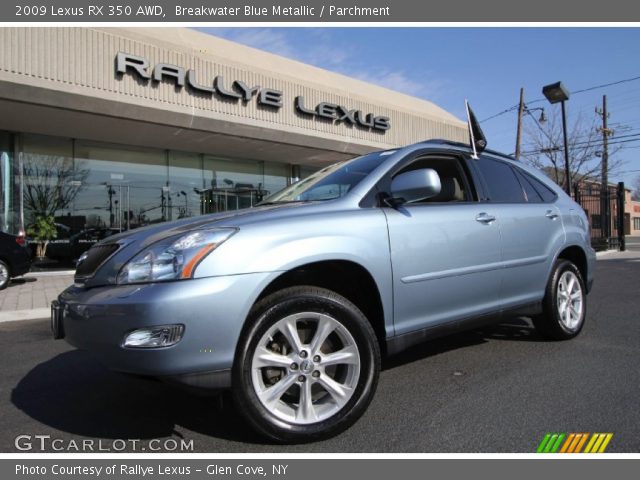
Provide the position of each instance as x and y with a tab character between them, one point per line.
318	301
562	267
5	284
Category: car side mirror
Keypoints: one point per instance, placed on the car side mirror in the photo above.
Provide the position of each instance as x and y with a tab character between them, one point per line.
415	185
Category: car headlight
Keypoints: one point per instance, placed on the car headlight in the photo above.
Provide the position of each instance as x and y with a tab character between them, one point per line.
173	258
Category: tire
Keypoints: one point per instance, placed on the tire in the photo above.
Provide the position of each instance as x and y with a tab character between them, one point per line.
272	376
561	320
5	275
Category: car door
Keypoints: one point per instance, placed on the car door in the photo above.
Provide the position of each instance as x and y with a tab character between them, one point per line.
444	251
530	228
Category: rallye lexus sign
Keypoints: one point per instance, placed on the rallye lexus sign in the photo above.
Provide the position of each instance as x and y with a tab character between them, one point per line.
237	90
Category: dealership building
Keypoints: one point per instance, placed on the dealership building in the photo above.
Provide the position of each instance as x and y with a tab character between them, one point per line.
117	128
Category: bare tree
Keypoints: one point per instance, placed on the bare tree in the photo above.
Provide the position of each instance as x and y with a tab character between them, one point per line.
51	183
636	189
544	149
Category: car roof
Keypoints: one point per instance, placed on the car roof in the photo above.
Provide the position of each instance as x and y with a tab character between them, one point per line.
465	147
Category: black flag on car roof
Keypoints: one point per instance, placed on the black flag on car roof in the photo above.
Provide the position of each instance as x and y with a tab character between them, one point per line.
476	136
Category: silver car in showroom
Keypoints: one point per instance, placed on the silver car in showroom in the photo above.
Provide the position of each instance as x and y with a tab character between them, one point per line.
292	303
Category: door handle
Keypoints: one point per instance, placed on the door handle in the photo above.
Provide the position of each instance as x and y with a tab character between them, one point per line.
551	215
485	218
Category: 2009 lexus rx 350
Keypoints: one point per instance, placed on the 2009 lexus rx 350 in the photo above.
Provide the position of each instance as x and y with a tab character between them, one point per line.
291	303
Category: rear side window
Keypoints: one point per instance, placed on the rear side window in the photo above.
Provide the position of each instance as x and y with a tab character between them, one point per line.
545	192
501	181
529	190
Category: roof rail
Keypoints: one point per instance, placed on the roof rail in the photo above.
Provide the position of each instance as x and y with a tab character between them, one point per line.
466	146
448	142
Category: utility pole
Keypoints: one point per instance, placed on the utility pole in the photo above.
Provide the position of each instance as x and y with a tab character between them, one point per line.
519	131
604	195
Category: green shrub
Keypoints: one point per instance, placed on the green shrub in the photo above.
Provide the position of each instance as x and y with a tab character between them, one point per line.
43	231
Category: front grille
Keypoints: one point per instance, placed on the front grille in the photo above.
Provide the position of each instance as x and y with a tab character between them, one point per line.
96	256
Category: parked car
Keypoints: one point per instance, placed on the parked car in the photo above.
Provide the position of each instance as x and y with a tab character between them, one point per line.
70	247
291	304
14	258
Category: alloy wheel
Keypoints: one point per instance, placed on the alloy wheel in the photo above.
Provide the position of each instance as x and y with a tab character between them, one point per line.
4	274
570	300
305	368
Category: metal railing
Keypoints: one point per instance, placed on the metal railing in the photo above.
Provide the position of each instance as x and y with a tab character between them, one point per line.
605	210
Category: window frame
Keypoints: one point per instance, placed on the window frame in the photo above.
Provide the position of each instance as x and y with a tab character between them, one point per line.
382	189
520	172
485	187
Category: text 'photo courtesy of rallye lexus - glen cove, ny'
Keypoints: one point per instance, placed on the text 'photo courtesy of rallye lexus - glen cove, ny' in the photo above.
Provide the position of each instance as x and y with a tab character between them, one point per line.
295	300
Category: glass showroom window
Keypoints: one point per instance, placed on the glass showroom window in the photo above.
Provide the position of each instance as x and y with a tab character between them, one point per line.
276	177
49	178
122	187
106	187
186	184
231	184
9	186
306	171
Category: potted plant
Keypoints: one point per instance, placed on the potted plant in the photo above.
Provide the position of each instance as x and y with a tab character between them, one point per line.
42	232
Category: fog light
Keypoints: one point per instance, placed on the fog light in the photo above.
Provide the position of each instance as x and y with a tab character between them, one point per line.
153	337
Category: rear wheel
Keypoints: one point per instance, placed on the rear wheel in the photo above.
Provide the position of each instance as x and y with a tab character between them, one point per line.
564	304
5	276
307	366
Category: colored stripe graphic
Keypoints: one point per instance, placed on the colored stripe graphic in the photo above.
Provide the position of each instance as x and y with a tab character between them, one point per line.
574	443
550	443
568	442
543	443
581	443
598	443
556	445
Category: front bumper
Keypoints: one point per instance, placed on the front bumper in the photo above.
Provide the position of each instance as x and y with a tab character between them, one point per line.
212	310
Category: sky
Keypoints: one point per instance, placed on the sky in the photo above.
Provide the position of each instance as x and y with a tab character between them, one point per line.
488	66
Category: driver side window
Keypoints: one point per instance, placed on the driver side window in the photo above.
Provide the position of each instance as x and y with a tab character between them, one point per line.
454	184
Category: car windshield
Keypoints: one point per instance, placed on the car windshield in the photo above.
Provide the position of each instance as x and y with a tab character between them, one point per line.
330	182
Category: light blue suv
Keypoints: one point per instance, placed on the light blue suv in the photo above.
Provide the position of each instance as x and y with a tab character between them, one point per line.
292	303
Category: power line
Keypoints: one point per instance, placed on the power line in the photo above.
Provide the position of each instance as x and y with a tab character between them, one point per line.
510	109
595	142
588	89
594	145
618	82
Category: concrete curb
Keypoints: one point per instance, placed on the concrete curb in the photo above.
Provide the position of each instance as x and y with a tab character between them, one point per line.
31	314
59	273
604	253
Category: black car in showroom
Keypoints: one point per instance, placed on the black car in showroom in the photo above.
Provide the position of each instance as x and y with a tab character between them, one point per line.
14	258
69	246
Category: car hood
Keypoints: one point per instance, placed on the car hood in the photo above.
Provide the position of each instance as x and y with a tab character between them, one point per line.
132	242
153	233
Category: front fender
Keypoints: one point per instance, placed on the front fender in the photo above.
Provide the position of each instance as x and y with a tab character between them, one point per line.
358	235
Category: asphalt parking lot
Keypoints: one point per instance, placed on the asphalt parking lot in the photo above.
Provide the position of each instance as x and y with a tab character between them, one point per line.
494	390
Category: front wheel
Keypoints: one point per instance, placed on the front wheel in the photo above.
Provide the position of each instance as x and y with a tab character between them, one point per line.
307	365
564	304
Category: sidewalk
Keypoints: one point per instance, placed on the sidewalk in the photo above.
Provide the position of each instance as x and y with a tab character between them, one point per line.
30	297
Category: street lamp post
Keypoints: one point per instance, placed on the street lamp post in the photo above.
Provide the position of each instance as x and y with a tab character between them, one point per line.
558	93
186	203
